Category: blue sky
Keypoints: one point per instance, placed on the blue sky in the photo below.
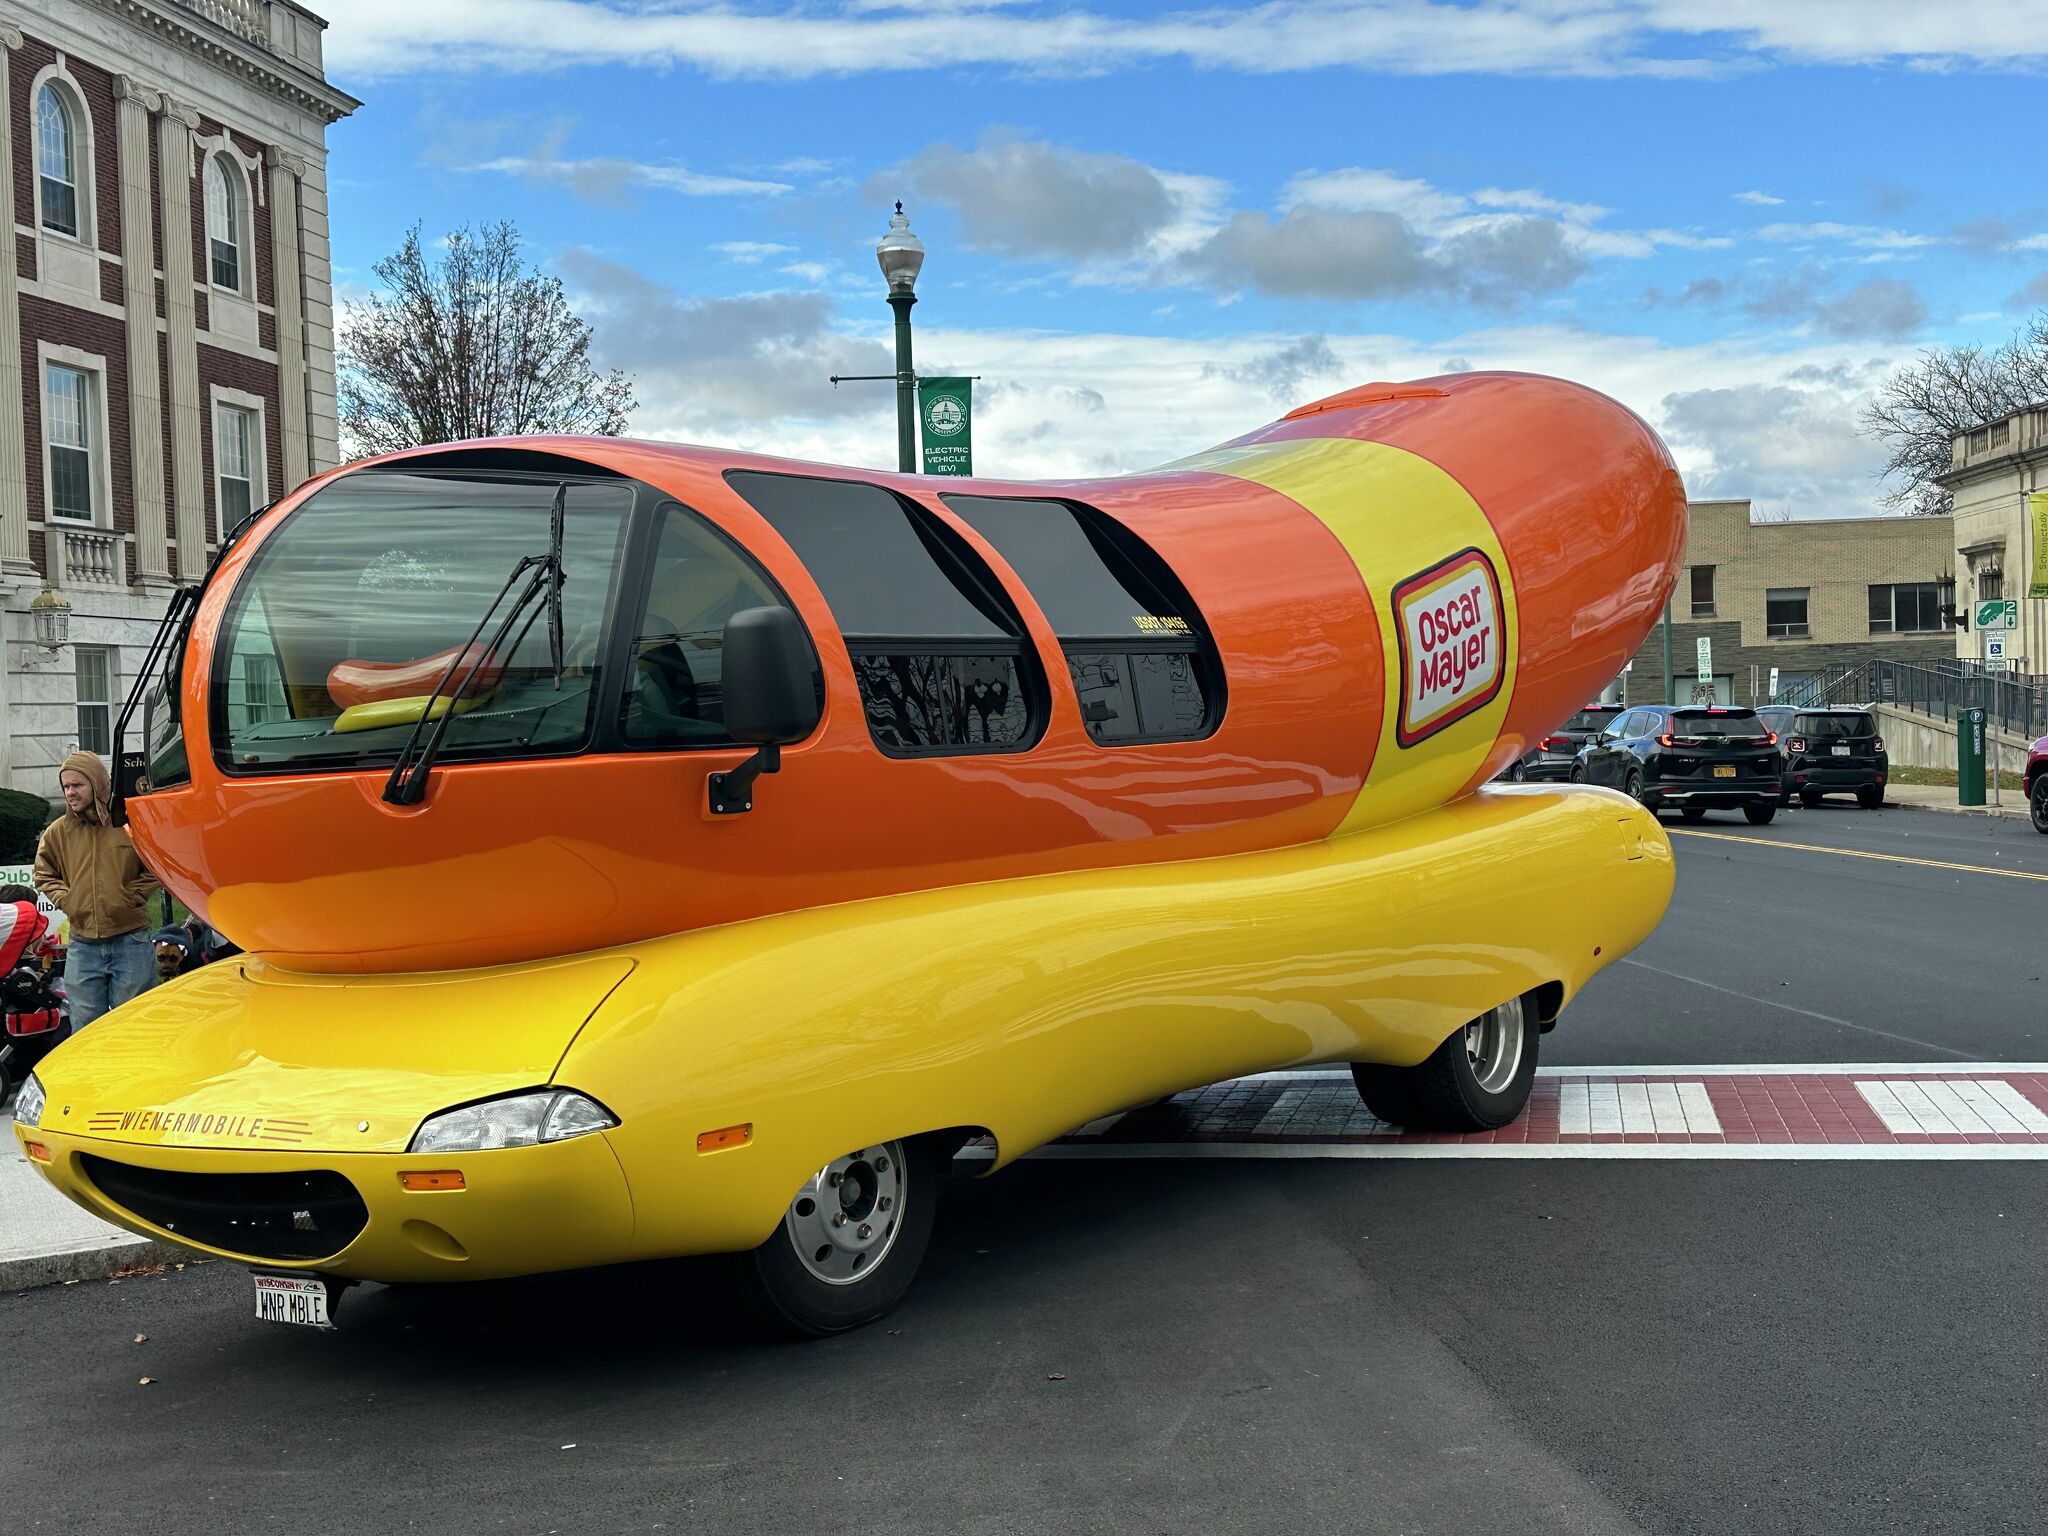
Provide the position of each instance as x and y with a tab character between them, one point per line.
1151	229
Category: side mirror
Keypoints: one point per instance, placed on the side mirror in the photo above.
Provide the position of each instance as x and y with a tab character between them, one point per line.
770	695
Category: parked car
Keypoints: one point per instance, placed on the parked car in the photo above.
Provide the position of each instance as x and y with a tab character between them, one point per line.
1691	759
1834	752
2036	784
1553	756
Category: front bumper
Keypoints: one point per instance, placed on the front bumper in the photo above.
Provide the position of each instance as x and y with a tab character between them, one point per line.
522	1210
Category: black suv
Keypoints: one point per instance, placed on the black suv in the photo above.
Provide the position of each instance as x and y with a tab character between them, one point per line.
1692	759
1834	752
1552	757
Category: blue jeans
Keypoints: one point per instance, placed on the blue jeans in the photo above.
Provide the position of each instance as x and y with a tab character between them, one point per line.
100	974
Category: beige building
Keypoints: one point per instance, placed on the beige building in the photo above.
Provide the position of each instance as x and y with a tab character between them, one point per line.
1804	599
1995	469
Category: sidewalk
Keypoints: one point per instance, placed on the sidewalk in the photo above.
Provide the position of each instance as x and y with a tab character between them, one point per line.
45	1239
1942	797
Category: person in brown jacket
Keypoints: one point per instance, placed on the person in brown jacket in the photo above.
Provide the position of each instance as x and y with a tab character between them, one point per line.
92	873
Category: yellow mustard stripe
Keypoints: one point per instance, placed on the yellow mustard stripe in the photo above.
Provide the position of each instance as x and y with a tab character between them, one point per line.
1858	853
1397	515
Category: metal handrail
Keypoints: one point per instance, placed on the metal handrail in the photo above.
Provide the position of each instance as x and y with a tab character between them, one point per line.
2010	703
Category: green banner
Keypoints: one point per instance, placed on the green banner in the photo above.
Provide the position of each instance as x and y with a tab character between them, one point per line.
2038	586
945	409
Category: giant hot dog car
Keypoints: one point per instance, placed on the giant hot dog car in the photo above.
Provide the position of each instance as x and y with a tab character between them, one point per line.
643	851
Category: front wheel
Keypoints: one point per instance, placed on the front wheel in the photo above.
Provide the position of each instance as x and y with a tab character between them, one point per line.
1578	774
2037	804
1478	1080
1761	815
850	1242
1516	772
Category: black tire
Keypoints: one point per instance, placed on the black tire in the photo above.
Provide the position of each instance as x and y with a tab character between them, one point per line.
1693	812
1577	775
1446	1093
1760	815
1870	796
785	1287
1809	798
1516	772
2037	804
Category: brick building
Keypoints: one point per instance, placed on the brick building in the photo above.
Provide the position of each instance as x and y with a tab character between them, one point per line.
1805	598
166	323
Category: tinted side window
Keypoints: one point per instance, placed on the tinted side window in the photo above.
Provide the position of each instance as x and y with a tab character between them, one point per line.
939	654
1140	657
673	695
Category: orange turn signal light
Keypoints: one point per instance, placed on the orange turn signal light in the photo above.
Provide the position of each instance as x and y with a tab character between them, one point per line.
422	1182
723	1140
38	1151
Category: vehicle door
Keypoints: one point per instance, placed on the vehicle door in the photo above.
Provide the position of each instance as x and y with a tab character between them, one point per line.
1604	755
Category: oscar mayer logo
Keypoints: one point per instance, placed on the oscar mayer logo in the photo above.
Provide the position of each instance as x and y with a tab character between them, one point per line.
1452	630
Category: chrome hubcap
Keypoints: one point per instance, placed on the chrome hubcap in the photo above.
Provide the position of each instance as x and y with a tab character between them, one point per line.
1493	1044
843	1222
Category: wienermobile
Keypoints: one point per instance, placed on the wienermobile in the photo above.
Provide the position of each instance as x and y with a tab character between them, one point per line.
644	851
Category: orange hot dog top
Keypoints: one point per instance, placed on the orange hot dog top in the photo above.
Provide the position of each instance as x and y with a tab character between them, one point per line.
1403	591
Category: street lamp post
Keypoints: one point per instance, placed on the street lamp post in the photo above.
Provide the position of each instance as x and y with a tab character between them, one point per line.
901	255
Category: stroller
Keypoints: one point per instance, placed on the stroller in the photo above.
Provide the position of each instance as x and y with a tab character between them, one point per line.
32	1009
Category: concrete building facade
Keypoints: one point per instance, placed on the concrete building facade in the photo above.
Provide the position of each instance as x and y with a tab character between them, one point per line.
1804	598
1995	470
166	324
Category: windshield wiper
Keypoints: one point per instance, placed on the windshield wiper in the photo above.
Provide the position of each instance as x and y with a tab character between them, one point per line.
173	633
407	784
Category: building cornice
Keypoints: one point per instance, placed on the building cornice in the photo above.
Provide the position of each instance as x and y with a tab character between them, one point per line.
194	33
1992	468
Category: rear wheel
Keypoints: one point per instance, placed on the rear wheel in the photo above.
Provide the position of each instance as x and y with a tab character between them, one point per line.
1516	772
1809	798
1870	797
850	1242
1693	812
1478	1080
1760	815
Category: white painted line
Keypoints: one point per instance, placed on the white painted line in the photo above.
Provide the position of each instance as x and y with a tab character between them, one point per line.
1608	1151
1970	1108
1636	1119
1738	1069
1700	1119
1574	1110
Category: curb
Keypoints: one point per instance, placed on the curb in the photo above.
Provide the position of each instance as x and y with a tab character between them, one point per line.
91	1261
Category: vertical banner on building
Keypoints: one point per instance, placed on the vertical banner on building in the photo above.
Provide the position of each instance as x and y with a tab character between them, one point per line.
2038	585
945	409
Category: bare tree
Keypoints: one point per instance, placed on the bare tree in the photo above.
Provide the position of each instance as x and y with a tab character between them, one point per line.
1922	407
476	346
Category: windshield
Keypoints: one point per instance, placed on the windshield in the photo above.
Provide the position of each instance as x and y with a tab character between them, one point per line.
1835	725
352	611
1591	721
1744	726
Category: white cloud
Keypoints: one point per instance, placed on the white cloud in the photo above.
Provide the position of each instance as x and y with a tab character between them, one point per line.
1657	38
751	252
1759	199
1864	235
607	180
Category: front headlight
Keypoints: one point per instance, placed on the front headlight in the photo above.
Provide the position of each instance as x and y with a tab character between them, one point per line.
28	1103
523	1120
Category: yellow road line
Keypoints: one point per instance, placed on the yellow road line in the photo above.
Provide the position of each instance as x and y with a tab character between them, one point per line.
1857	853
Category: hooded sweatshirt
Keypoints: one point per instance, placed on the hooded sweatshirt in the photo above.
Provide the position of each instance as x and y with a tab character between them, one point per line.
89	869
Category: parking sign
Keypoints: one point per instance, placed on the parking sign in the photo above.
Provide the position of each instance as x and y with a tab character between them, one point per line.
1995	647
1998	613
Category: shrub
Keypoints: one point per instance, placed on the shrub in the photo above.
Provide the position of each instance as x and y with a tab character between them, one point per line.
22	819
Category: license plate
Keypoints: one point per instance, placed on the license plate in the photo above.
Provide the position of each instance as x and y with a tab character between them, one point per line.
300	1299
1724	771
1841	751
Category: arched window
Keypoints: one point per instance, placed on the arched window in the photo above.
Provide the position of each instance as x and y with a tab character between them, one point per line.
224	222
57	160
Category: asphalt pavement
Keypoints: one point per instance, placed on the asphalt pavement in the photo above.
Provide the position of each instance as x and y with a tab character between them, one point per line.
1257	1345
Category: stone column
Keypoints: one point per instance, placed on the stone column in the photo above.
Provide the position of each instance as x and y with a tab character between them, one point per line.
188	412
317	295
14	561
286	169
134	104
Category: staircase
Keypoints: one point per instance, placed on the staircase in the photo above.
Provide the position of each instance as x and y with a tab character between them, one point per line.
2018	704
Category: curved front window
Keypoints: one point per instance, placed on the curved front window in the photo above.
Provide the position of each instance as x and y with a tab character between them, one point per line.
348	619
